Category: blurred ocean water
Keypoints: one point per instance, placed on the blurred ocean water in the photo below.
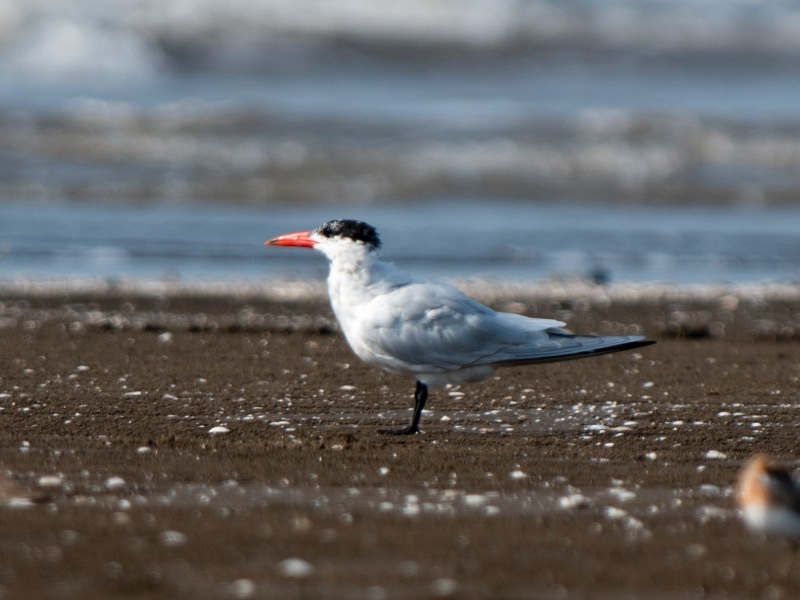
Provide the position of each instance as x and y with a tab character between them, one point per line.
654	140
520	241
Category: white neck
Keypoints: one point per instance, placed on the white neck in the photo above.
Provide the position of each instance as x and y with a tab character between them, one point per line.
357	275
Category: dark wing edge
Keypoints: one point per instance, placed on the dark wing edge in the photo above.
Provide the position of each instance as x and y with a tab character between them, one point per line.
615	344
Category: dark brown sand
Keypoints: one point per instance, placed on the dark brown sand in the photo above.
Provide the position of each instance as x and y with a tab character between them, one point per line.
604	478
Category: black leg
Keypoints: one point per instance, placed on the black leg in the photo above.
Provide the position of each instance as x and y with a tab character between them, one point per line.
420	397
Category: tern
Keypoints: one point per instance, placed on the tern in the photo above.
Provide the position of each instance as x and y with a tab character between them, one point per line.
426	330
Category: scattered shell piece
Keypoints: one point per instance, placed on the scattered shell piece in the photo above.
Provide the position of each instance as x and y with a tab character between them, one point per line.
115	483
295	567
165	337
573	501
50	481
517	474
633	523
636	529
444	587
716	454
621	429
709	489
243	588
474	500
348	388
132	394
709	513
612	512
143	449
81	368
622	494
696	551
172	538
383	471
376	593
219	429
120	518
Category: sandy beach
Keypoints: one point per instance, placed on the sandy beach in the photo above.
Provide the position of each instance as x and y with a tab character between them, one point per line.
213	444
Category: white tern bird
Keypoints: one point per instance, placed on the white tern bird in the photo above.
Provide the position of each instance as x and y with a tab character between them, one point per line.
426	330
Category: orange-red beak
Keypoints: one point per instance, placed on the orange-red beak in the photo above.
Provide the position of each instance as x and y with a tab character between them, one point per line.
300	239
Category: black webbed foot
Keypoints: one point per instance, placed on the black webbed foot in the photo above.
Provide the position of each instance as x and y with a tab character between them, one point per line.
420	396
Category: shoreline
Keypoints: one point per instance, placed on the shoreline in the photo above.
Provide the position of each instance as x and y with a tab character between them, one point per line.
736	312
483	289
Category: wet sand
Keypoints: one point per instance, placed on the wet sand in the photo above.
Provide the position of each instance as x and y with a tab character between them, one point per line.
604	478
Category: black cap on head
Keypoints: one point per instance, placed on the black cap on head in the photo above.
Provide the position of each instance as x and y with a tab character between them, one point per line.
358	231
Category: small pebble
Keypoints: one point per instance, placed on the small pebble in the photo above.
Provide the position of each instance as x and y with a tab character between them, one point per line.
474	500
50	481
295	567
172	538
696	551
612	512
243	588
114	483
573	501
444	587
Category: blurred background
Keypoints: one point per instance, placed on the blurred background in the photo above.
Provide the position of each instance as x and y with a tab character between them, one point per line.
617	140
